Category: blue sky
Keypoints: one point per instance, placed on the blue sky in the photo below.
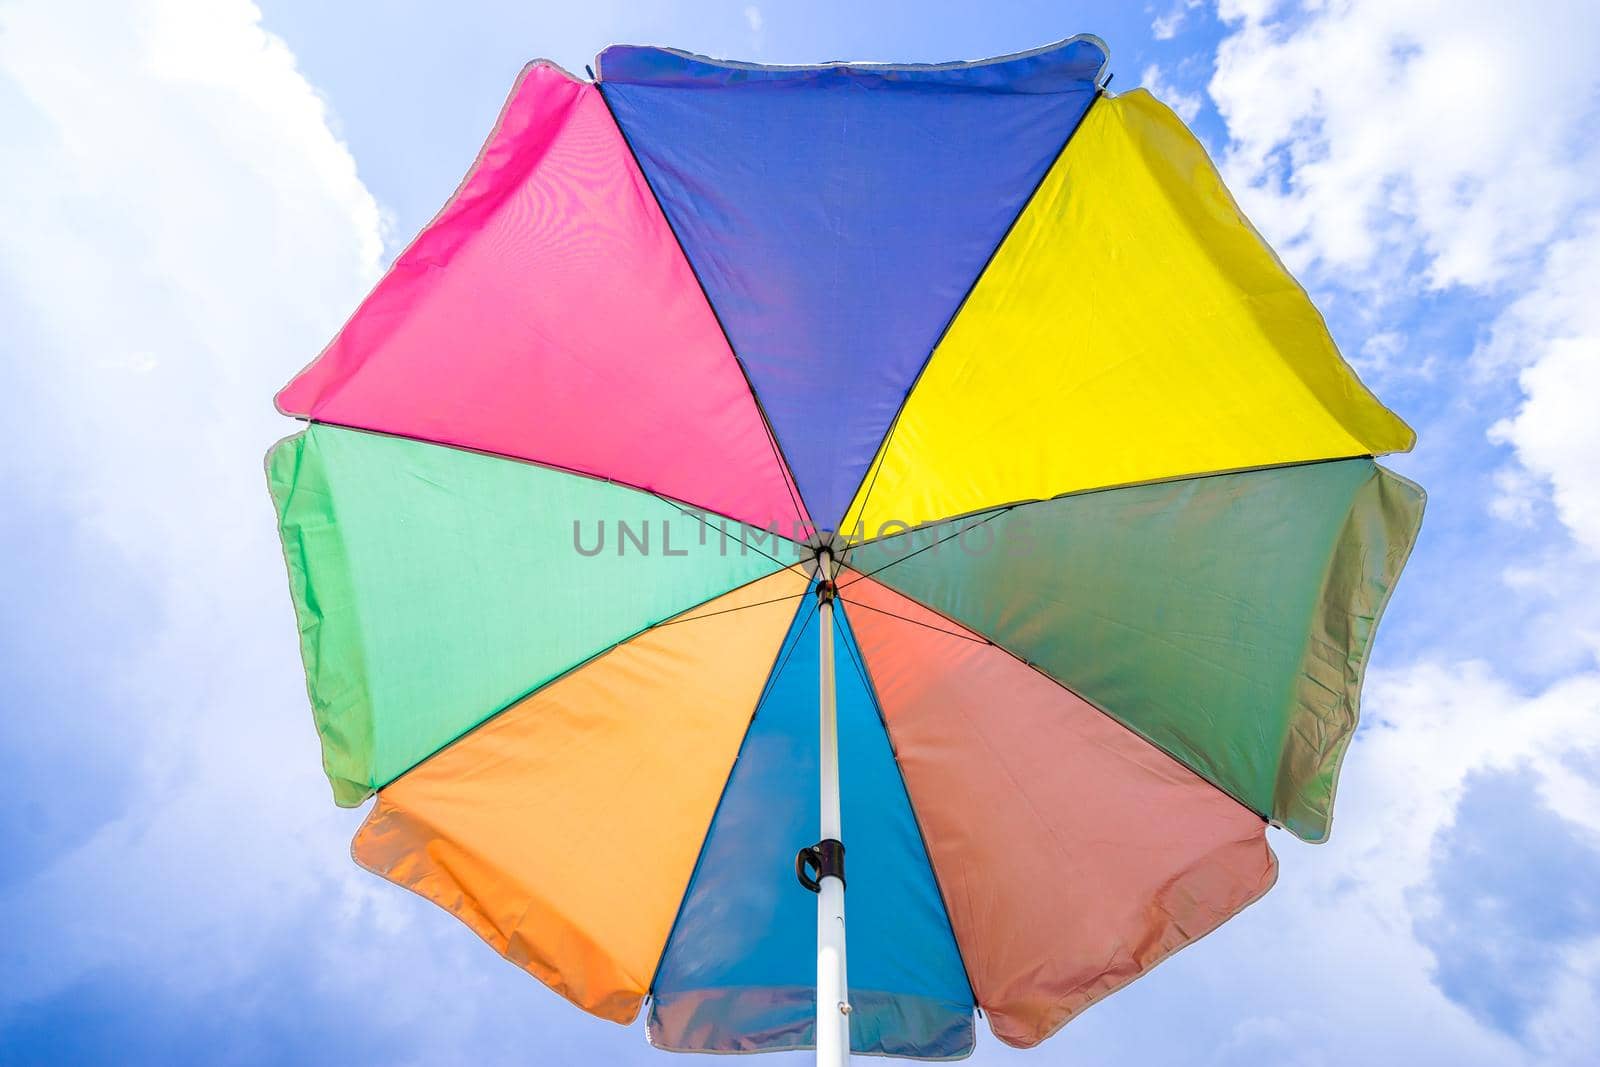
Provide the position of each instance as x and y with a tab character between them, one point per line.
197	193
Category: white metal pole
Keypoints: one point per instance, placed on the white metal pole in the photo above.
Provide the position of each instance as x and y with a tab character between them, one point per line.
833	1006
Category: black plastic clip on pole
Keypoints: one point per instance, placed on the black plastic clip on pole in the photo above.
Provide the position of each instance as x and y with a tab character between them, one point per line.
825	858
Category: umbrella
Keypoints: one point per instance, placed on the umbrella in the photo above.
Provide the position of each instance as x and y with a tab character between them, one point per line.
752	467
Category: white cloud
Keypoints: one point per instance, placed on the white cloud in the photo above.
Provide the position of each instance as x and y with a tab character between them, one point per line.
1430	729
1572	1020
1375	138
192	233
1556	433
1187	105
1251	10
1517	496
1559	626
1166	27
1331	967
1389	354
752	18
1391	149
1558	301
1387	146
1433	727
1553	333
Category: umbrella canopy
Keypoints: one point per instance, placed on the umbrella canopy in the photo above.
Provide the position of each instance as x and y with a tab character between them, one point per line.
1102	544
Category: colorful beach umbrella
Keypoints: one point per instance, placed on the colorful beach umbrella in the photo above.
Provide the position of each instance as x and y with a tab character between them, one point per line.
748	460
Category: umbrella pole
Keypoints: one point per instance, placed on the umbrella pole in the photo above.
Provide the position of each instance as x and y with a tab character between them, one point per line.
833	1007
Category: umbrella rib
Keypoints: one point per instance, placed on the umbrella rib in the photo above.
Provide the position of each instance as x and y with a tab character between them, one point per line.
780	660
688	507
970	635
927	853
689	616
784	469
999	509
700	514
935	544
1263	816
686	615
894	424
